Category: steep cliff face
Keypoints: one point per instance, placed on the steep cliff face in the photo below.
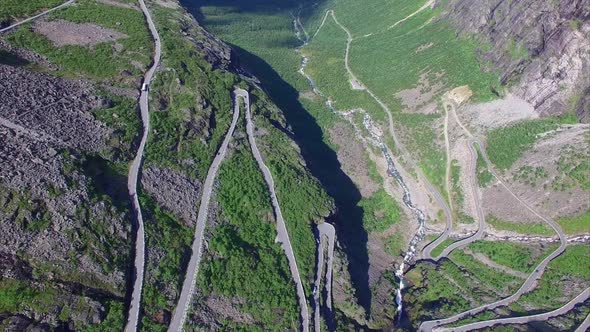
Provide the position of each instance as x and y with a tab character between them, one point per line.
542	47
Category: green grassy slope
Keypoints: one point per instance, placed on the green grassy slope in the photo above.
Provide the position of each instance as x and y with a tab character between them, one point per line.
11	9
246	262
264	40
101	61
194	101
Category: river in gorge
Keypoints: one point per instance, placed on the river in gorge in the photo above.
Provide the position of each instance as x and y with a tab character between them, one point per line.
375	139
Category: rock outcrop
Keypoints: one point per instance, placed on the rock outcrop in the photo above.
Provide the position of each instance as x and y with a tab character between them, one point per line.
542	48
63	227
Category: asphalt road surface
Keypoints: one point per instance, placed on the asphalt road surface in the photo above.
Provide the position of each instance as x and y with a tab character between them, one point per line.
325	230
282	233
134	307
188	285
531	281
480	214
524	319
36	16
585	326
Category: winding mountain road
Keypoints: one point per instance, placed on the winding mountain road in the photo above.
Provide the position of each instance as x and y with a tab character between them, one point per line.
325	230
531	281
524	319
426	252
188	286
134	169
67	3
282	233
480	214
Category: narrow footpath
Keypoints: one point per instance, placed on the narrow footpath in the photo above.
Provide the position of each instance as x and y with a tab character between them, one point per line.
134	307
282	233
188	286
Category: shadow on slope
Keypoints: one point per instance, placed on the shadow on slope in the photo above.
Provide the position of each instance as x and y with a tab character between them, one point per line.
323	163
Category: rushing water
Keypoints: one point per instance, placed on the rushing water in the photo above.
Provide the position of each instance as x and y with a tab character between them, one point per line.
376	139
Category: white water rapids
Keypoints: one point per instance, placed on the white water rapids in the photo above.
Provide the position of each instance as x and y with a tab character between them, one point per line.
375	139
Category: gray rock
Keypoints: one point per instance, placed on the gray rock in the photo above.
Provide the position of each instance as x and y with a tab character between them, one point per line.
542	45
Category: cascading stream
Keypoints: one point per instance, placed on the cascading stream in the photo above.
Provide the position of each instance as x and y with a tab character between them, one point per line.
376	139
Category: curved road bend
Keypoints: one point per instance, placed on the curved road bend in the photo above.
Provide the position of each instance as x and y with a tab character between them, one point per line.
480	215
282	233
324	230
133	317
585	326
36	16
525	319
426	251
529	283
192	270
533	277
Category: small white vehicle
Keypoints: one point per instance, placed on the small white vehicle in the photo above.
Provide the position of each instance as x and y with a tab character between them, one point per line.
144	87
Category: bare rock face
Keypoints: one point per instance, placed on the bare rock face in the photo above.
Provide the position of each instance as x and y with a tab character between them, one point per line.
52	106
211	48
542	47
63	219
173	190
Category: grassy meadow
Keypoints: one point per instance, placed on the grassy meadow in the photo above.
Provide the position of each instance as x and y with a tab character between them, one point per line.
101	61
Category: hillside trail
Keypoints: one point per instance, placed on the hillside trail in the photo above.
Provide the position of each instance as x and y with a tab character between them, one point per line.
188	286
282	232
31	133
404	152
487	261
428	4
448	163
134	170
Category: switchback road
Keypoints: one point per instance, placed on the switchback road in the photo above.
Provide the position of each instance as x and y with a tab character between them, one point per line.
192	270
480	214
282	233
134	169
524	319
327	231
531	281
585	326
